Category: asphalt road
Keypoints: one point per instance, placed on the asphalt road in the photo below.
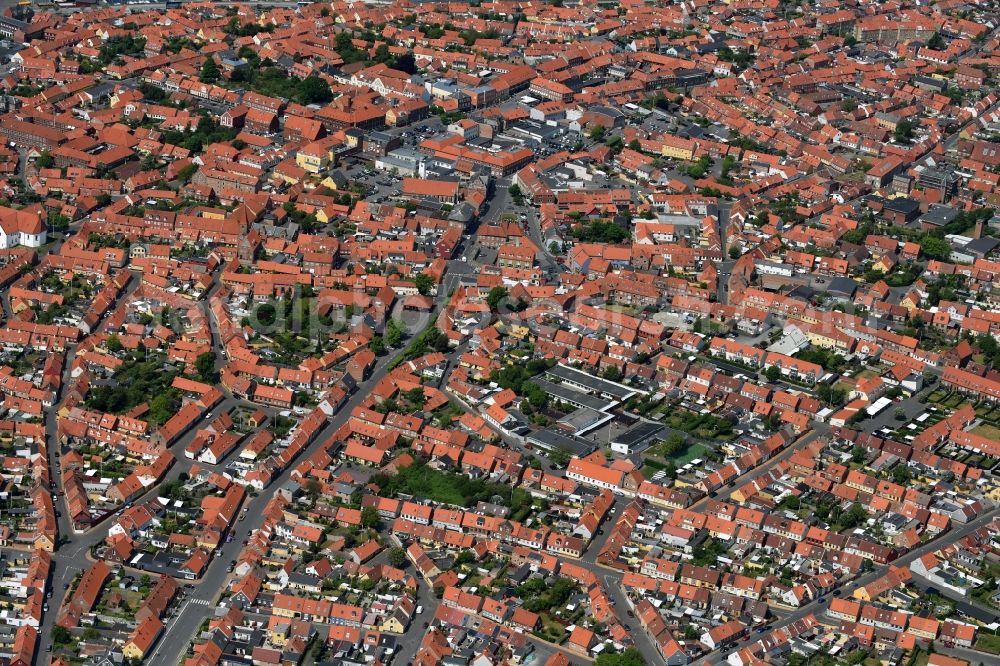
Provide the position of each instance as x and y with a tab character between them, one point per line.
819	430
847	587
611	581
963	604
185	626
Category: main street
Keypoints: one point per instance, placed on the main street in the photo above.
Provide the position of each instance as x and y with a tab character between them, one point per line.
72	556
186	624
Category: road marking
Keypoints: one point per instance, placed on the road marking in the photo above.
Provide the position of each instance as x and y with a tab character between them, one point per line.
201	602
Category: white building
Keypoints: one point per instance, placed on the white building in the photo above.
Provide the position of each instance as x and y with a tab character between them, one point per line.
21	227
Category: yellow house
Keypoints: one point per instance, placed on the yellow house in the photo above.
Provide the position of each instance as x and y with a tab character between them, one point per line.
393	625
312	162
318	155
884	264
827	341
335	181
910	301
142	638
277	633
44	542
520	332
678	148
325	215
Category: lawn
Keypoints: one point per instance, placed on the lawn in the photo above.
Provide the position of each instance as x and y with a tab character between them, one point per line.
449	487
988	643
989	414
987	431
653	465
624	309
954	401
689	453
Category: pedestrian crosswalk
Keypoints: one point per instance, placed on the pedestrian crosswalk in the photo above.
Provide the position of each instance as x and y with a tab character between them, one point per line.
200	602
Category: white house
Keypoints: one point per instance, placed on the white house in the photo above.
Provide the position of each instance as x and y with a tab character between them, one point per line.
21	227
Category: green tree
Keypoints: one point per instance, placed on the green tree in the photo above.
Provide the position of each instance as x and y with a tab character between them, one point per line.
184	173
465	557
495	296
205	366
773	373
61	635
209	71
393	333
537	398
416	397
45	160
597	132
313	90
267	314
397	557
854	517
406	62
935	248
424	283
831	395
369	517
903	132
699	168
630	657
377	345
113	344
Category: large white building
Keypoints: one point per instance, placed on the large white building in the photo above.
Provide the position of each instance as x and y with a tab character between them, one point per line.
21	227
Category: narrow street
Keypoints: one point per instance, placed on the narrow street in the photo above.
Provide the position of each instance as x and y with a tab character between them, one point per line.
212	583
848	586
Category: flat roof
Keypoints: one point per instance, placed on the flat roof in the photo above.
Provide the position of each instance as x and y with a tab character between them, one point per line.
638	434
570	394
566	373
552	440
584	419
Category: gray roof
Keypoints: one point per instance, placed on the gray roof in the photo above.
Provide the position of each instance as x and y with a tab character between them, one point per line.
939	215
590	382
567	394
553	440
641	432
584	419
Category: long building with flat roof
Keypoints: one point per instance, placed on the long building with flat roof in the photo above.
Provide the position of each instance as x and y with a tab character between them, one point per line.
588	383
